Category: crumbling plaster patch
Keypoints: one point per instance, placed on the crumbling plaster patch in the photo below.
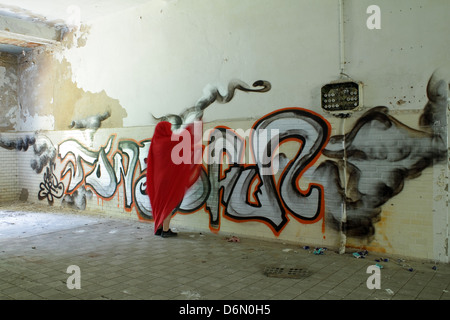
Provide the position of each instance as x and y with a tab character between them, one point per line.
49	99
8	91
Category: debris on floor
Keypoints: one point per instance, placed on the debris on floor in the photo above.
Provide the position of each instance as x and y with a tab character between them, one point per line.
390	292
191	295
360	254
401	262
382	260
319	251
233	239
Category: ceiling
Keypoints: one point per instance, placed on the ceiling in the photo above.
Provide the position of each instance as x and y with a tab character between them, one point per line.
51	10
25	24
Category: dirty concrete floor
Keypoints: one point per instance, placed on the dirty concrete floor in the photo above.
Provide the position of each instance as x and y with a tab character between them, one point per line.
122	259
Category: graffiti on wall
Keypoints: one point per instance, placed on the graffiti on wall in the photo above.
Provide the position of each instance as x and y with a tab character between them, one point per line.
359	171
43	156
212	94
102	171
104	176
50	188
246	192
381	154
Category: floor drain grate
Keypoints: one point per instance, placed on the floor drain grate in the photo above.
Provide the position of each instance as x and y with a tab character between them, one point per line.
286	272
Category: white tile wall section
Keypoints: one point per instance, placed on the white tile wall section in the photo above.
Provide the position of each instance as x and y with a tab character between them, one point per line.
8	175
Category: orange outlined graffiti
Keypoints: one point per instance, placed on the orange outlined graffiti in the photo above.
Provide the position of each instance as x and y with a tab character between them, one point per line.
239	190
269	202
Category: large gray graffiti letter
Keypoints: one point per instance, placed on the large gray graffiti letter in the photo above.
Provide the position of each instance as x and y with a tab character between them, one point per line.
131	150
102	178
268	207
313	133
141	198
222	142
73	149
196	195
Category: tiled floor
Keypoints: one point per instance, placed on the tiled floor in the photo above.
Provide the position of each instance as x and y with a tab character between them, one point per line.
122	259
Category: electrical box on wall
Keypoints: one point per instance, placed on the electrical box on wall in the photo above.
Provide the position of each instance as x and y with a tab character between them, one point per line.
341	98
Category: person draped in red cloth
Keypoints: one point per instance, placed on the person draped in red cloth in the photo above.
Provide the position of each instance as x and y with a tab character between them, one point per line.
168	179
173	167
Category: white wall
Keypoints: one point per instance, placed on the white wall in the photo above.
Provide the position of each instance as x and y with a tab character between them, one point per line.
159	57
395	61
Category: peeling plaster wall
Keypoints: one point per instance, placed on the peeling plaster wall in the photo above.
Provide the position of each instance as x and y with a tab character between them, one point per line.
9	83
170	50
50	100
9	108
88	105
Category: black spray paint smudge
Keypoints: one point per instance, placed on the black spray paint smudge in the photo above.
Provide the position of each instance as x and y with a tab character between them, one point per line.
92	122
210	96
380	153
19	144
43	149
78	199
434	114
45	153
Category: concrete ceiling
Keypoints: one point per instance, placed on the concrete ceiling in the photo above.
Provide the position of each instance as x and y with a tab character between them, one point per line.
26	24
52	10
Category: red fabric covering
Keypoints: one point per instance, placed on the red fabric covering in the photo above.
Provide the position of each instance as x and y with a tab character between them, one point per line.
168	181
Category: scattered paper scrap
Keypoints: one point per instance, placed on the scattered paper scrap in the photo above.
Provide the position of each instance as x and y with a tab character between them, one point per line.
233	239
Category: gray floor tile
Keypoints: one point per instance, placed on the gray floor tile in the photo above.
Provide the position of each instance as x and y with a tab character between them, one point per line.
122	259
